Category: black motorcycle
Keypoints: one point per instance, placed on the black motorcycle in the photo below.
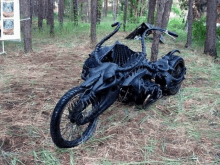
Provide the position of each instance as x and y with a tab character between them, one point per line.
113	73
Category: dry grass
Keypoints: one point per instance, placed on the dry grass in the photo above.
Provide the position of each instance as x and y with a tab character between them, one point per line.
180	129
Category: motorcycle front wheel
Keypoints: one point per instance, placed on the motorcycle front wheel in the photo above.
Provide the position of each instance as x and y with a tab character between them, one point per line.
64	130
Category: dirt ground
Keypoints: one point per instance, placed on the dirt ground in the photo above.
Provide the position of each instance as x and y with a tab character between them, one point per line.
31	84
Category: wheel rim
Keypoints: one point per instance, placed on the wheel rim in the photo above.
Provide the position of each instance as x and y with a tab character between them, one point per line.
178	70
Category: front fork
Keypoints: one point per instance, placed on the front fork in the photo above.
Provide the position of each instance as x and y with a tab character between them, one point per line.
100	104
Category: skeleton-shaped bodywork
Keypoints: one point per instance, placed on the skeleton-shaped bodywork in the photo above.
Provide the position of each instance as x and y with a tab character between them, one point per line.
111	73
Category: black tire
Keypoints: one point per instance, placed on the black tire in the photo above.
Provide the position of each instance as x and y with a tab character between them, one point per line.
61	115
179	66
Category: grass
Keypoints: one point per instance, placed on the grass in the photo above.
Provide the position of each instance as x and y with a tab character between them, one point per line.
179	129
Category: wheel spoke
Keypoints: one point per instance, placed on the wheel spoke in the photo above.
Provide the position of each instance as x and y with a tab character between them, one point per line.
69	134
80	132
65	129
71	131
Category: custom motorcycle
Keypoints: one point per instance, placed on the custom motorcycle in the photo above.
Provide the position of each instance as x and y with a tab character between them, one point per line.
113	73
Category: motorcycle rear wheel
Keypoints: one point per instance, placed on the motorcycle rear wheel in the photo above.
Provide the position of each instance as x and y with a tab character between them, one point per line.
64	131
178	64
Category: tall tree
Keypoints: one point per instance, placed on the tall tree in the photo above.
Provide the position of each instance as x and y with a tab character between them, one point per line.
27	26
40	14
155	44
71	10
166	13
136	8
34	4
60	11
83	8
131	9
142	7
125	14
114	9
151	10
31	10
89	10
105	7
99	11
189	22
210	42
75	10
86	10
93	21
50	16
117	2
34	8
45	9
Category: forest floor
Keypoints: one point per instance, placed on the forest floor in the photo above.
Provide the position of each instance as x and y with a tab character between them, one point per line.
179	129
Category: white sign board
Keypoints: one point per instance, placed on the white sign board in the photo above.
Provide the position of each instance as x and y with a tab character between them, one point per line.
9	20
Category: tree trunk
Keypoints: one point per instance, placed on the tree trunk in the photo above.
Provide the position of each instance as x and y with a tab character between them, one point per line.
166	14
89	10
106	7
139	8
34	8
50	16
86	11
45	2
117	7
136	8
114	10
125	14
143	6
189	24
155	44
61	11
40	14
75	10
72	10
151	10
99	11
131	8
210	42
31	10
27	26
48	11
81	12
93	21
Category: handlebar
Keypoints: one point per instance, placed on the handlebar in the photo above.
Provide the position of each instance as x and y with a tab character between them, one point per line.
116	23
172	34
98	46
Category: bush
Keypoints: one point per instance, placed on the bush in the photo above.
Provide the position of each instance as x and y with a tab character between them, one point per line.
176	23
199	29
176	10
218	31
